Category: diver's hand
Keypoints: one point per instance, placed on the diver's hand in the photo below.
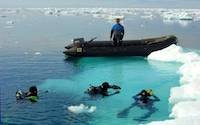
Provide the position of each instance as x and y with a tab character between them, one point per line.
156	98
86	91
136	97
116	87
117	92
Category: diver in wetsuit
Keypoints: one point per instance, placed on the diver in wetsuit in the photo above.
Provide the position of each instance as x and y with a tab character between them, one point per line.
32	92
105	86
143	100
117	33
102	89
145	96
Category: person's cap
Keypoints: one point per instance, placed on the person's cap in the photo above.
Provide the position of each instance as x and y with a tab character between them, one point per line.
117	18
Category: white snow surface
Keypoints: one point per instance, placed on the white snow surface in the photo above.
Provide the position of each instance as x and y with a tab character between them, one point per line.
178	121
186	109
186	97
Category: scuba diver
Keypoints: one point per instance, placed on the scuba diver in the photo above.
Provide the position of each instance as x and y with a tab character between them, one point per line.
144	100
30	95
145	97
102	89
32	91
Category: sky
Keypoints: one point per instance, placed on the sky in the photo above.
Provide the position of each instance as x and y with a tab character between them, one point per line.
100	3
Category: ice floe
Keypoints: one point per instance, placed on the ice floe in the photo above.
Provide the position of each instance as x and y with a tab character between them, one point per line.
168	55
10	22
178	121
186	109
81	109
26	53
172	15
37	53
177	16
110	13
186	97
10	10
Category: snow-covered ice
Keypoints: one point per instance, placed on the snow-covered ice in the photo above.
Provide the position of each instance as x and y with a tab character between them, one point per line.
173	15
186	97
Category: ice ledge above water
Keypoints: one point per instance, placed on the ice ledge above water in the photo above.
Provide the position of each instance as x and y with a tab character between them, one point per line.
186	97
179	121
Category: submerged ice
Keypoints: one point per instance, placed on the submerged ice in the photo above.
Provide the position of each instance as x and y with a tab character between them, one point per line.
81	109
186	97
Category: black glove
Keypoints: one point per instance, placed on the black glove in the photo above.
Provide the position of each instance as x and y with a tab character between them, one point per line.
116	87
117	92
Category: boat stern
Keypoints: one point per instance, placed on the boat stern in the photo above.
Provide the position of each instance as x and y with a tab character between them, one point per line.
75	48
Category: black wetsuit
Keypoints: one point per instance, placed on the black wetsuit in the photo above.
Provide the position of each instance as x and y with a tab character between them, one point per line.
102	89
144	97
32	91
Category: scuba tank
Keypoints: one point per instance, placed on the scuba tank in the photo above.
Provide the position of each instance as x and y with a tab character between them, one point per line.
19	95
92	90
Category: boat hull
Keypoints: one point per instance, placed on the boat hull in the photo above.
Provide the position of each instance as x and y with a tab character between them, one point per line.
128	48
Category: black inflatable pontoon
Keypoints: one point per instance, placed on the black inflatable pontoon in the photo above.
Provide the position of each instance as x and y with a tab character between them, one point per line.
143	47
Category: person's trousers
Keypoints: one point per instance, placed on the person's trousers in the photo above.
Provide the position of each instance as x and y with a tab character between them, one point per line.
117	40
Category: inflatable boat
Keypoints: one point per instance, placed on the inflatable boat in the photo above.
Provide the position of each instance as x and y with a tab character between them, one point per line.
93	48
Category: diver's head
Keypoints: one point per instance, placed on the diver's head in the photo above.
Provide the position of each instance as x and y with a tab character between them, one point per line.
105	85
33	89
149	91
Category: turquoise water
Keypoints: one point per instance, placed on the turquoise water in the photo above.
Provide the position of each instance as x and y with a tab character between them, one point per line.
131	73
66	80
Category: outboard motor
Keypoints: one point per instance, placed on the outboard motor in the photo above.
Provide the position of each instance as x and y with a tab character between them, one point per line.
78	42
78	45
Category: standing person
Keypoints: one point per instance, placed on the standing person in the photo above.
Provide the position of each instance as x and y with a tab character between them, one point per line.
117	33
